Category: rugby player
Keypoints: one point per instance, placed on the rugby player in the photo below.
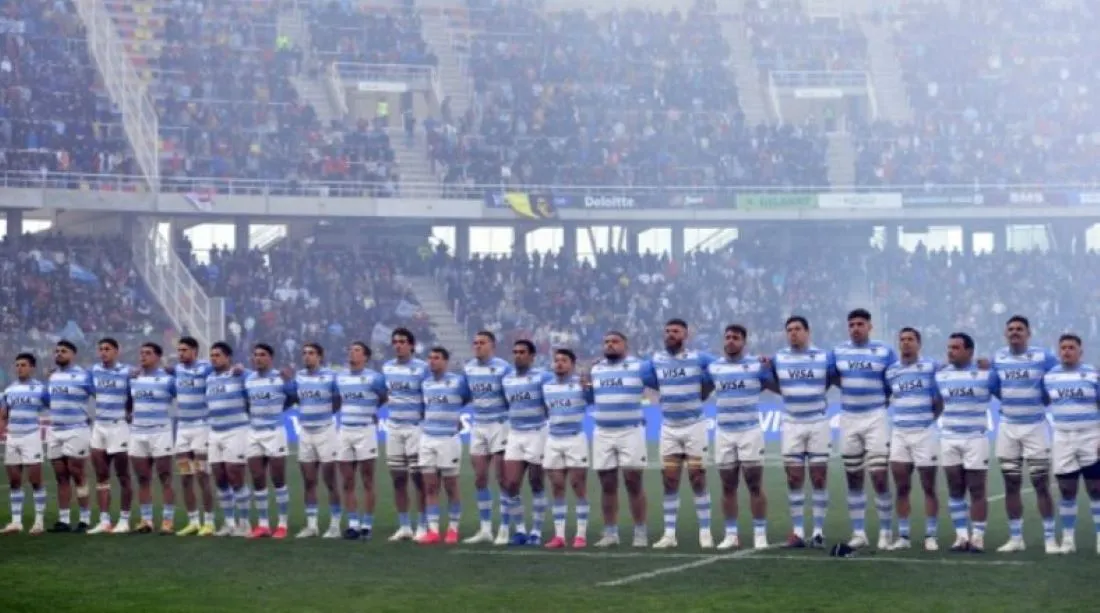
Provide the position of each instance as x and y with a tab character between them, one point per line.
683	384
227	404
738	382
565	457
150	417
192	437
488	432
68	439
111	437
526	443
22	405
404	375
318	402
270	393
440	457
362	391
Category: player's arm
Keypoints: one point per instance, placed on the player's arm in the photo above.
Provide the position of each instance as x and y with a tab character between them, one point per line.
768	381
3	416
649	375
705	360
937	399
290	392
994	384
464	390
337	399
378	386
832	377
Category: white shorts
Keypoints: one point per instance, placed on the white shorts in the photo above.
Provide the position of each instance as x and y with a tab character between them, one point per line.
194	440
487	439
402	446
970	453
228	447
1023	441
74	443
525	446
440	453
151	444
111	436
24	450
864	434
318	445
1075	450
738	447
357	444
811	442
687	440
563	452
268	443
918	447
617	448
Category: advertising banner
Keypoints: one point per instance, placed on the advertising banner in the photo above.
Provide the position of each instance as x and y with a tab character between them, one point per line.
775	202
869	200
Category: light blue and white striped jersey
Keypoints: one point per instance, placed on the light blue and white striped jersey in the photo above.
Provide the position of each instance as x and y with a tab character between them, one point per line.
803	378
112	390
680	380
406	401
862	370
738	384
317	398
444	397
268	396
913	393
526	406
191	394
617	391
966	392
1021	377
566	402
487	390
226	401
26	402
1073	394
69	390
152	393
361	393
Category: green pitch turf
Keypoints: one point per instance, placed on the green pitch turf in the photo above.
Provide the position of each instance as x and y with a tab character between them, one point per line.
133	573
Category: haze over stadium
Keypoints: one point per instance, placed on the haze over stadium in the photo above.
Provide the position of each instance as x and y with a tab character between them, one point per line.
753	224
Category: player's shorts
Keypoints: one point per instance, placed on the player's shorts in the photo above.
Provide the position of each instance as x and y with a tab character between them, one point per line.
810	441
111	436
75	443
525	446
972	453
195	439
267	443
440	453
25	450
1023	441
317	445
733	447
229	447
357	444
864	434
684	440
402	446
488	439
151	444
615	448
917	446
564	452
1075	450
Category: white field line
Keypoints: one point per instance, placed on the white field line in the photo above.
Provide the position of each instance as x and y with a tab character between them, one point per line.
896	560
678	568
602	555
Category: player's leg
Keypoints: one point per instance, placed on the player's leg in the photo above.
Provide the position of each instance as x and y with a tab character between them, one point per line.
430	476
577	473
186	469
632	462
120	465
556	475
257	469
1067	508
451	453
818	447
511	503
1037	446
163	466
927	476
335	511
412	452
1009	449
64	495
673	458
348	470
877	444
902	472
1091	475
480	460
310	470
729	474
76	459
101	466
753	473
696	447
399	463
976	464
15	493
224	486
537	481
33	473
366	477
143	472
201	466
609	506
955	476
794	440
853	453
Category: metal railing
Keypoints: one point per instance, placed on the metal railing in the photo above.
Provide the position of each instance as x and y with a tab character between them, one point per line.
126	88
819	78
181	296
417	77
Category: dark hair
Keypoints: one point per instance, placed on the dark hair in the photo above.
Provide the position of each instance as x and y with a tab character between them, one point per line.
616	333
738	329
526	344
799	320
403	332
676	321
1069	336
106	340
442	351
360	344
912	331
190	342
1018	319
567	353
863	314
155	347
223	347
28	357
264	347
487	334
968	341
67	345
316	347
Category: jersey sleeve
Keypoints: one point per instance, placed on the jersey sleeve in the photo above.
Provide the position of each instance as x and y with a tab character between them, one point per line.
172	386
649	375
1049	361
290	387
994	383
89	383
767	373
464	389
378	386
830	363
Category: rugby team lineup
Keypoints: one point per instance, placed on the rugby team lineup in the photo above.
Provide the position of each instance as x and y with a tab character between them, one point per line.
218	427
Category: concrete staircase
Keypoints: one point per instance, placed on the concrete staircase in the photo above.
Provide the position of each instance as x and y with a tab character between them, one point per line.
314	93
412	159
454	80
449	333
750	90
891	96
841	159
292	24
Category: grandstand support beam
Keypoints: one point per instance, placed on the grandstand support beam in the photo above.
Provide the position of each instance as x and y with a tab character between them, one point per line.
569	241
462	241
15	226
242	234
677	242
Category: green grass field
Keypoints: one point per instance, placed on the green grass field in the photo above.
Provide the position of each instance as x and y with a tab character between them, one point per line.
63	573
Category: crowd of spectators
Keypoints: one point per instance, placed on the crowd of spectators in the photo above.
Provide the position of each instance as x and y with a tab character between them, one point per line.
348	32
785	37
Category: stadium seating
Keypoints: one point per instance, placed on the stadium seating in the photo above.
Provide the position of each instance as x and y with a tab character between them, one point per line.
369	34
783	37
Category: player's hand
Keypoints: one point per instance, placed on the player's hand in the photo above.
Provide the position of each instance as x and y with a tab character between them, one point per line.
134	372
766	360
237	370
983	363
170	369
3	430
586	381
51	370
287	373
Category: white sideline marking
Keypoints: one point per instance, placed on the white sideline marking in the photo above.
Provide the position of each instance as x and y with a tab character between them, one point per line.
896	560
603	555
679	568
